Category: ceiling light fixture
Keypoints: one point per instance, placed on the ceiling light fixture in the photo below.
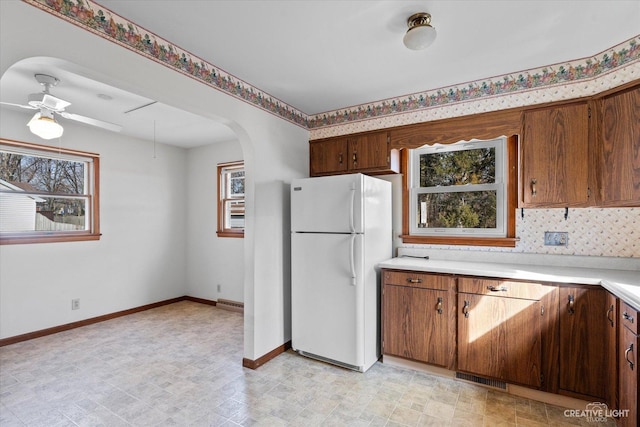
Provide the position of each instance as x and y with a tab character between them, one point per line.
420	34
44	125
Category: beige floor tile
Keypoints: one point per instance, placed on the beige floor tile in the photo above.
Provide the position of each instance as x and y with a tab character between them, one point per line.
180	365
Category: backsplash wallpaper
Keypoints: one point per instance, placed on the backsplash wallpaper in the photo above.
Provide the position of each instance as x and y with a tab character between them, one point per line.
603	232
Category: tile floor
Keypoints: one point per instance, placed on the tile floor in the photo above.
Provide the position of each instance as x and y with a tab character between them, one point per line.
181	365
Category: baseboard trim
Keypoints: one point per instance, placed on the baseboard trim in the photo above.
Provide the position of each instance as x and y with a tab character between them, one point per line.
200	300
68	326
255	364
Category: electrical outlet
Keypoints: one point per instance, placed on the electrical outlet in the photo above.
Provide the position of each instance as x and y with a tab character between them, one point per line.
556	238
75	304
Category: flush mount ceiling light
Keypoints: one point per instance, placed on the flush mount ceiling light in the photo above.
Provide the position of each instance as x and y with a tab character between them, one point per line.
420	34
44	125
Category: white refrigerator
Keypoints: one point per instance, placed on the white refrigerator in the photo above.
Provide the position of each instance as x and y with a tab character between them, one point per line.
340	230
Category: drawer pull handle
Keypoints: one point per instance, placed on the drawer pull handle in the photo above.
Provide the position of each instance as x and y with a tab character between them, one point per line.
439	305
609	318
627	316
497	289
570	305
626	356
465	309
410	280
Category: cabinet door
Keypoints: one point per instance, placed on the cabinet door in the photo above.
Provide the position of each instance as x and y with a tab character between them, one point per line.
584	342
328	157
628	377
415	324
369	152
620	149
555	156
500	338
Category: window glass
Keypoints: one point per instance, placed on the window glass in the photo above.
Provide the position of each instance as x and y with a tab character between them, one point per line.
45	194
458	189
231	199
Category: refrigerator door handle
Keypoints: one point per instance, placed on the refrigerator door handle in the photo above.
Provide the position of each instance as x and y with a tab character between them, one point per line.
352	208
352	260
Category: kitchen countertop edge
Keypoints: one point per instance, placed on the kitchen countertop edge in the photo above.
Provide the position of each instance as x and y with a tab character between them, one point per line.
624	284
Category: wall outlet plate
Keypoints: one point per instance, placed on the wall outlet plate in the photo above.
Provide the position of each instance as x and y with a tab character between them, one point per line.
75	304
556	238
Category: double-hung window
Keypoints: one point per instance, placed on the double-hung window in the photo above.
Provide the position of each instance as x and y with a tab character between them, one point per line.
231	199
47	194
459	189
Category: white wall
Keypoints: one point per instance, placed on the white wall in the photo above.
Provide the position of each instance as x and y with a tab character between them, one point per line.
275	151
140	258
211	260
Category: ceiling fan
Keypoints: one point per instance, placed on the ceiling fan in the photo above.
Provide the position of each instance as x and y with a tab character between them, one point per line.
43	122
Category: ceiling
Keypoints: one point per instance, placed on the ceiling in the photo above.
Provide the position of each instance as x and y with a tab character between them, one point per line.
319	55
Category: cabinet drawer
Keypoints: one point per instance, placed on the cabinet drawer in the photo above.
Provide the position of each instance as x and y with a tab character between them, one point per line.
629	317
503	288
416	279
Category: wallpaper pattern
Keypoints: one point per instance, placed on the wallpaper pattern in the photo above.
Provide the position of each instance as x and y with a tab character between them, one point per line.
99	20
608	232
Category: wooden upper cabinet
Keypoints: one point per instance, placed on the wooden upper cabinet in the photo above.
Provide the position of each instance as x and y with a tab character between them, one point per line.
366	153
328	157
555	156
618	148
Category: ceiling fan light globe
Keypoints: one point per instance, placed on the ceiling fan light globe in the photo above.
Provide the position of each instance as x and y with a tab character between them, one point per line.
419	37
45	127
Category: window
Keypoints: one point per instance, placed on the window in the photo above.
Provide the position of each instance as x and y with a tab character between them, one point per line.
231	199
47	194
460	193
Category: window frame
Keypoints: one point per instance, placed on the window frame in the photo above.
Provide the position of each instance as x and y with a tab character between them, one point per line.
225	169
499	186
92	194
468	239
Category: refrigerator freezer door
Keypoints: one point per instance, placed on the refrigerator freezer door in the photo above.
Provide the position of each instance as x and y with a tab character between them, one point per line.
327	308
331	204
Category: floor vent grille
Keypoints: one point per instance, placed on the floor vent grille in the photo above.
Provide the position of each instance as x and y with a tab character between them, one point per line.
479	380
226	304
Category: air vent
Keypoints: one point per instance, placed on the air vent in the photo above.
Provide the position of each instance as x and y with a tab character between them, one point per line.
479	380
226	304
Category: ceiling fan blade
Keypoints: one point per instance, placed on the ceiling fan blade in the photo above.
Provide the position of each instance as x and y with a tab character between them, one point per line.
28	107
88	120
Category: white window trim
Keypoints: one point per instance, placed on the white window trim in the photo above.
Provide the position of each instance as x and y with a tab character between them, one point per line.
500	186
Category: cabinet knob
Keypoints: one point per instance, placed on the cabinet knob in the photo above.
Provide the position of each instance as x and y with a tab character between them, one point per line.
340	158
626	355
439	305
355	158
534	191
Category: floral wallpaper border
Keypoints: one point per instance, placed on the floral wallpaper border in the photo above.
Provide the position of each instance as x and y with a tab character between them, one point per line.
97	19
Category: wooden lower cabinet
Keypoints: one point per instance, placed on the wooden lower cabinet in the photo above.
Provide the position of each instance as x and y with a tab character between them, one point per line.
418	317
629	380
585	358
505	337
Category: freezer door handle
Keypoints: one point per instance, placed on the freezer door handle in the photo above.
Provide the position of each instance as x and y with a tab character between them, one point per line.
352	208
352	259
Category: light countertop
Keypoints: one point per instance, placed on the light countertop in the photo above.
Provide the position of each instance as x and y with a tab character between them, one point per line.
625	284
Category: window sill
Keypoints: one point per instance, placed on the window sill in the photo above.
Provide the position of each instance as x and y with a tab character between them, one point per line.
57	238
505	242
226	233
